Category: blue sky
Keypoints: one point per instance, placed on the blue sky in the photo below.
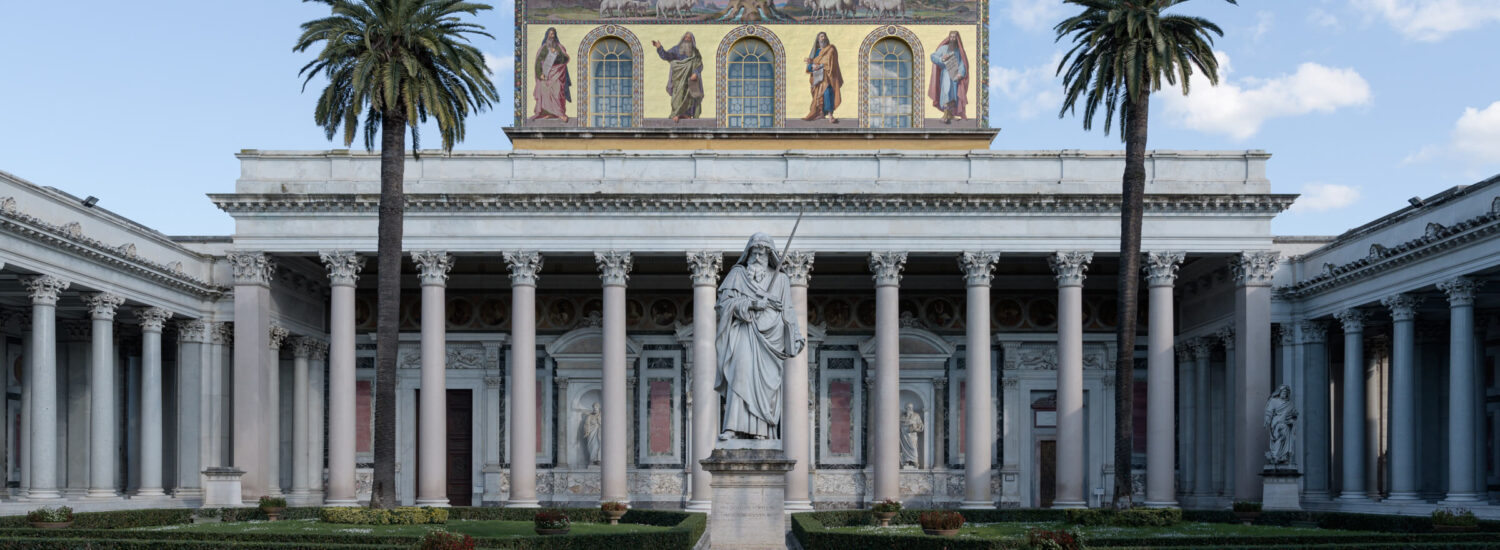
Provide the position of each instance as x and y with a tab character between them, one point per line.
1363	103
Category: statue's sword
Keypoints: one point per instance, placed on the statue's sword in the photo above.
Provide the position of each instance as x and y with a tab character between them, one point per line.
789	238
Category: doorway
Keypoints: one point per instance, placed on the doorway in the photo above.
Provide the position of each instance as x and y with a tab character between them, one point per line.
1046	451
460	421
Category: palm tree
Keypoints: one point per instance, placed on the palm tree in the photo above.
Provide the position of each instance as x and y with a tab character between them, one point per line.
398	62
1122	52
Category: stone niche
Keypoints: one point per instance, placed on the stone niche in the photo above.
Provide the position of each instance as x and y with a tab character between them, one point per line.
578	368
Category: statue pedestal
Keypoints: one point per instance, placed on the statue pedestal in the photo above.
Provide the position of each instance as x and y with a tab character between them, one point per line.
1281	491
749	490
221	487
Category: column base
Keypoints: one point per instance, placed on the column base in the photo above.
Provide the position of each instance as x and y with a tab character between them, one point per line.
1403	497
976	505
44	494
340	503
151	493
188	493
1160	504
1069	504
528	503
790	506
102	494
1453	499
704	506
1353	497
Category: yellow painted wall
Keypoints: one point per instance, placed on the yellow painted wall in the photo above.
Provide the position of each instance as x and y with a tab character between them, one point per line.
797	41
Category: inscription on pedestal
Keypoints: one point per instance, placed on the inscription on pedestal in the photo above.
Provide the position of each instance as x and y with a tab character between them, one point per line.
749	489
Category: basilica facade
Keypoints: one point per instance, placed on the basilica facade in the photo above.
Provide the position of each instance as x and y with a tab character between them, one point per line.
557	313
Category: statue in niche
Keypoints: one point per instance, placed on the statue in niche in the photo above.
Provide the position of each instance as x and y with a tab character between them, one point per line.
591	424
1280	422
553	88
684	76
757	331
826	78
949	85
911	431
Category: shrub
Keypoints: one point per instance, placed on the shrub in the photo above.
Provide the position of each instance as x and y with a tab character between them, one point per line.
406	515
1047	539
272	502
1242	506
443	540
1146	517
1462	517
551	519
612	506
941	520
885	506
1089	516
64	514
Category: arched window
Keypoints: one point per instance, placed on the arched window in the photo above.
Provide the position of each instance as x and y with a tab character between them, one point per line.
891	102
612	93
751	81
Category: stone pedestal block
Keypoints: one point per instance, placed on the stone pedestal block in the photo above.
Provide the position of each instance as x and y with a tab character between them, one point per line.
221	487
1280	490
749	490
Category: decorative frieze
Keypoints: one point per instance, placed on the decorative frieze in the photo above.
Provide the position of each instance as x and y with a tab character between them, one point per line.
1161	267
798	266
1403	306
44	289
152	318
705	266
343	266
978	267
1352	319
102	305
614	266
524	265
1254	268
887	267
251	268
1460	290
1070	266
433	266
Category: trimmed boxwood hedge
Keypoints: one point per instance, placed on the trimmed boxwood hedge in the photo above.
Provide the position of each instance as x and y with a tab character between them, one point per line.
106	530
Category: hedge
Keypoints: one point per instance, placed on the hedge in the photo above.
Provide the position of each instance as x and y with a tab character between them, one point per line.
405	515
121	519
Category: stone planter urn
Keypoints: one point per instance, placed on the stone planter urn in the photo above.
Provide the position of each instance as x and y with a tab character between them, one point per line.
272	513
884	518
50	524
541	531
614	516
940	532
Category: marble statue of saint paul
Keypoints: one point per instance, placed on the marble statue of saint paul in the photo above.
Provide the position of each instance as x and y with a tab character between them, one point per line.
757	331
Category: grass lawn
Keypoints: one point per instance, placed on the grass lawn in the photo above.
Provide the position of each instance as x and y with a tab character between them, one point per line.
1011	530
491	529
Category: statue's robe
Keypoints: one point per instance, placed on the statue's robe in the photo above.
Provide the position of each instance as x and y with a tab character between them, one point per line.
684	62
752	346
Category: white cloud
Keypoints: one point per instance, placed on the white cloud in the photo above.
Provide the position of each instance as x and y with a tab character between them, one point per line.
1037	15
1432	20
1322	197
1321	18
500	64
1030	91
1263	21
1238	107
1475	138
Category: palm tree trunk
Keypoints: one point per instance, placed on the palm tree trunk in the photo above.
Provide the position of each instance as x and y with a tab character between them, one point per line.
388	305
1132	206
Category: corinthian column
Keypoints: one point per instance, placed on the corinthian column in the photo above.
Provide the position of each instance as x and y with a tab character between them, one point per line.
886	447
1461	382
192	432
302	352
1203	472
1161	272
979	438
614	270
152	319
44	290
252	323
275	337
1187	414
102	449
1354	405
1252	332
432	418
794	422
1402	453
705	266
343	273
1069	267
524	265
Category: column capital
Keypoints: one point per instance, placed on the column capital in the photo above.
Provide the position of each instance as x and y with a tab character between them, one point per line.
978	267
493	381
320	351
887	267
44	289
1184	352
705	265
152	318
251	268
222	333
1403	306
192	331
434	266
278	335
614	266
1202	347
524	265
1314	331
798	266
1460	290
343	266
304	347
1161	267
102	305
1069	266
1254	267
1225	335
1352	319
